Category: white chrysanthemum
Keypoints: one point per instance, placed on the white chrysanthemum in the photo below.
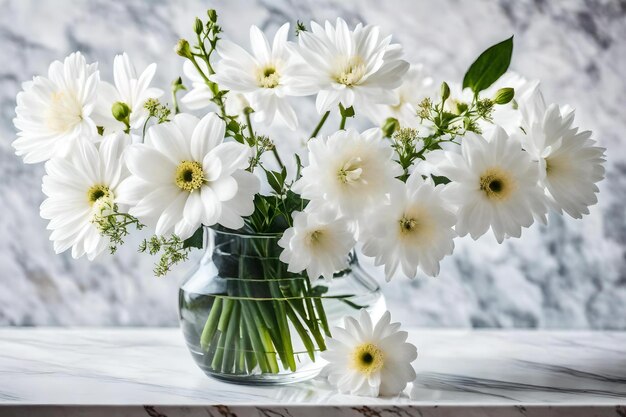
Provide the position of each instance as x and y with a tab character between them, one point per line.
185	176
317	242
414	230
349	171
570	164
416	86
79	186
54	110
493	183
263	76
370	360
131	89
348	67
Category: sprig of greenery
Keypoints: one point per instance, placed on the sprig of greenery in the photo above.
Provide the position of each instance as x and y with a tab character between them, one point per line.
113	224
171	249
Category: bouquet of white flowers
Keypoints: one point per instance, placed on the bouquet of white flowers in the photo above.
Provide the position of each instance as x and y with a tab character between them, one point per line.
439	162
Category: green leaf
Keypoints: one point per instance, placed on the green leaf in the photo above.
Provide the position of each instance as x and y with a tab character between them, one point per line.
489	66
196	240
439	180
275	179
349	112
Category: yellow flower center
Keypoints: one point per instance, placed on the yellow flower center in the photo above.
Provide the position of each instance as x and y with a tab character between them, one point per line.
315	237
97	192
351	71
189	176
351	171
367	358
64	112
417	225
497	184
268	77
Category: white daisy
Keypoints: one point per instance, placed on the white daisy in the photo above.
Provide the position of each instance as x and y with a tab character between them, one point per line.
348	67
131	89
54	110
414	230
493	183
185	176
370	360
348	171
570	163
317	242
200	95
416	86
264	76
79	185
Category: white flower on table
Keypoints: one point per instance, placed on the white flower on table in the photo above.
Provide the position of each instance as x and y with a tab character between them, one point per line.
346	66
416	229
185	176
130	89
348	172
494	184
265	77
54	110
79	186
570	163
367	359
317	242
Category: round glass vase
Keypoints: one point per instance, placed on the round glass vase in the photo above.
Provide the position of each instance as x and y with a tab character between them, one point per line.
246	319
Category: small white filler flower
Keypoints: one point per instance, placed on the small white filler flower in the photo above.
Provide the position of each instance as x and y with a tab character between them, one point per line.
54	110
263	76
415	230
317	242
493	184
348	66
349	171
370	360
79	186
131	90
185	175
570	163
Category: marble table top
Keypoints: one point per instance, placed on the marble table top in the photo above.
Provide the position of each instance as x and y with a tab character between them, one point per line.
144	371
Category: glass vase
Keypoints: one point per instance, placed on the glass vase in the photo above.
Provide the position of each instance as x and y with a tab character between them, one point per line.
246	319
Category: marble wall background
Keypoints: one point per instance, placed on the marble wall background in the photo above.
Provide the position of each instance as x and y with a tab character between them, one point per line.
570	274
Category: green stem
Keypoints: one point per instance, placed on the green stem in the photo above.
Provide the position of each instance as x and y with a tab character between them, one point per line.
229	339
211	324
320	124
342	125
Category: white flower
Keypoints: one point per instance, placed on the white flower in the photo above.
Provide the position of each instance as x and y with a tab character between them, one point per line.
200	95
317	242
348	67
54	110
570	164
264	76
415	86
349	171
414	230
493	183
130	89
185	176
79	187
370	360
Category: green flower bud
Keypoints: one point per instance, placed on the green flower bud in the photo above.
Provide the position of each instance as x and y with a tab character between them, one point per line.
198	27
390	126
120	111
504	95
212	15
445	91
182	49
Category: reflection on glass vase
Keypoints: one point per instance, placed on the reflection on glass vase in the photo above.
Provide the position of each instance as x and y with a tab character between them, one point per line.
246	319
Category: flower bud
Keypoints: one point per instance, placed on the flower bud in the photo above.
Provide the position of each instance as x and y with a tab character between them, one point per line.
212	15
120	111
182	49
390	126
445	91
504	95
198	27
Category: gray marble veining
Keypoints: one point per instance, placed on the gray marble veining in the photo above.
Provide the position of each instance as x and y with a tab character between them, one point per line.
141	370
569	274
